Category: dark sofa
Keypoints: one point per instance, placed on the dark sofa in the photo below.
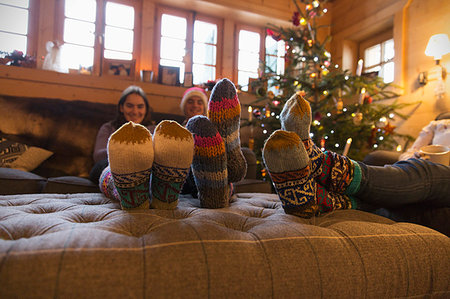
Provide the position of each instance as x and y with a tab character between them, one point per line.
68	130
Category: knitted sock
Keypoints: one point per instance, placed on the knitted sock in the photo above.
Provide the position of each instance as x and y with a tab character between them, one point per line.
296	117
224	110
289	167
339	174
130	154
331	201
210	163
174	149
106	184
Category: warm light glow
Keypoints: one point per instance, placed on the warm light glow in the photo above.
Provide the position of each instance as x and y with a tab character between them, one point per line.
250	109
303	21
363	90
399	148
437	46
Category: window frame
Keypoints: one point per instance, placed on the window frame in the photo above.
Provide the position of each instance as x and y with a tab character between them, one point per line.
33	28
262	45
377	39
190	17
100	31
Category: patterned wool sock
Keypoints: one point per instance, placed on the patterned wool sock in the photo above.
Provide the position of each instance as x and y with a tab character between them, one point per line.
224	110
289	167
339	174
296	117
106	184
130	154
331	201
210	163
174	149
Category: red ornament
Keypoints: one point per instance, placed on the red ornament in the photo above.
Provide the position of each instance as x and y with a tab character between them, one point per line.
295	18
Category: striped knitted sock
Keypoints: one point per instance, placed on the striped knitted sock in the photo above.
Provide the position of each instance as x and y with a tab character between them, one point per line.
174	149
210	163
289	167
130	154
224	110
296	117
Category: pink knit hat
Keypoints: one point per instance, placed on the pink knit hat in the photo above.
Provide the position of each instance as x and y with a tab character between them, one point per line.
194	91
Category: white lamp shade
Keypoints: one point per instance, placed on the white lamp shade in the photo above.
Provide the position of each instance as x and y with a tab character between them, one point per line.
438	45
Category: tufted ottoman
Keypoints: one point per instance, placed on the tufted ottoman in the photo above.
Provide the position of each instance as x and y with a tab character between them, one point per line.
84	246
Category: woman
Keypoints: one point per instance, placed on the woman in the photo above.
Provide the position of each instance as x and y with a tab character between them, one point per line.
194	102
132	106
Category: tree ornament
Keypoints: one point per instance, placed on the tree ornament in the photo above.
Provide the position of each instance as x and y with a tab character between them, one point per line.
357	118
257	113
339	106
318	116
381	123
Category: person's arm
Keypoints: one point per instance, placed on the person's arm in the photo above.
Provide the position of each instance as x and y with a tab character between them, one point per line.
101	142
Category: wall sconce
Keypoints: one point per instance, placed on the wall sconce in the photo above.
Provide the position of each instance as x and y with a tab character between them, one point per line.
437	46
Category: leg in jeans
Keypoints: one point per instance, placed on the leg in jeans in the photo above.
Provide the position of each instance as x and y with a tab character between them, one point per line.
405	182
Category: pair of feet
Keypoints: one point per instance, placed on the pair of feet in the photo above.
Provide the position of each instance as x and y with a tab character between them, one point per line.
146	170
307	180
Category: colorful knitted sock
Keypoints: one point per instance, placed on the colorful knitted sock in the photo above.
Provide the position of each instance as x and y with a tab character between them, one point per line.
296	117
224	110
331	201
289	167
174	149
130	154
339	174
210	163
106	184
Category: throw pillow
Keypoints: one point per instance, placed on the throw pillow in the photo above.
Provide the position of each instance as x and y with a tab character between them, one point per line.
21	156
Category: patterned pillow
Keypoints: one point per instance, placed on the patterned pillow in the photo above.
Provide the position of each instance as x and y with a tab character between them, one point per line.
21	156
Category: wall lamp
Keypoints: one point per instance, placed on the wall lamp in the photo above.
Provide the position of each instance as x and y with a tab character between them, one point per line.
437	46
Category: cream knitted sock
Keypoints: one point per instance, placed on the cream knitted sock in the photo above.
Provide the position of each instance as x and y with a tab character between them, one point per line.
130	154
174	149
288	164
296	117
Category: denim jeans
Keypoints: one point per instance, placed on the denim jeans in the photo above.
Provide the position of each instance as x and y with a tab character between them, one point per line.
405	182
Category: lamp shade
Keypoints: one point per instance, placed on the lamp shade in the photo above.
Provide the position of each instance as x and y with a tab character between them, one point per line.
438	45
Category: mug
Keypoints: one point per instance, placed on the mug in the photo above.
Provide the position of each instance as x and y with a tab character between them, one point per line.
436	153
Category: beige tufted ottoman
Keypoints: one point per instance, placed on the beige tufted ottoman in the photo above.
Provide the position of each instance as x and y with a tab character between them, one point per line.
84	246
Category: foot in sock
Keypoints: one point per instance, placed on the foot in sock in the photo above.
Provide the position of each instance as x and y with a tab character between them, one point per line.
331	170
130	154
224	110
296	117
288	164
209	165
173	152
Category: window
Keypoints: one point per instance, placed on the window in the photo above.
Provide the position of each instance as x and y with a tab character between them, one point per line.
190	42
14	18
275	52
248	56
205	51
88	39
380	58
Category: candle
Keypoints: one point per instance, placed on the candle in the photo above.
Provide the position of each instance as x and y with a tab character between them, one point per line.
359	68
250	110
361	96
347	147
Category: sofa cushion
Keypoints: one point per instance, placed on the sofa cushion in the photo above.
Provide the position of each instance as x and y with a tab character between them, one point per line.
21	156
14	181
70	184
85	246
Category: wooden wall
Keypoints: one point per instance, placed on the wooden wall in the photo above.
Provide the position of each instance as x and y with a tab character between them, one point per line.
412	23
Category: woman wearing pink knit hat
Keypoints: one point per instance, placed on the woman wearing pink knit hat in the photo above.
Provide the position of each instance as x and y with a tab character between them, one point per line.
194	102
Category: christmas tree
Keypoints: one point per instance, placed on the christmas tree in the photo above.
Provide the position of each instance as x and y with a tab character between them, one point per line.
355	128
